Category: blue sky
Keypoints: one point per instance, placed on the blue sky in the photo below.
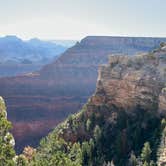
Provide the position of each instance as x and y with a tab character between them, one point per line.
75	19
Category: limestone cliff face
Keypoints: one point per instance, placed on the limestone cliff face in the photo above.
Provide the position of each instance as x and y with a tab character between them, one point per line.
135	81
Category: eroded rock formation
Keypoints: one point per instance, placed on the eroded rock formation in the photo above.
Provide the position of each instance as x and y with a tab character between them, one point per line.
131	84
127	108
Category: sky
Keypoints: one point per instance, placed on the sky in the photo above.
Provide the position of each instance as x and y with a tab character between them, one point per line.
75	19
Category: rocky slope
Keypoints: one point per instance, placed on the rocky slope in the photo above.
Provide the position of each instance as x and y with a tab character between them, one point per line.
38	101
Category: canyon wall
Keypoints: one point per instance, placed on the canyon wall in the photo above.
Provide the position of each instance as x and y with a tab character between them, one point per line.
126	111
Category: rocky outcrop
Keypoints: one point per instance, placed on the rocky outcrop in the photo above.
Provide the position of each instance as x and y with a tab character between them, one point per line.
61	88
162	103
3	107
129	82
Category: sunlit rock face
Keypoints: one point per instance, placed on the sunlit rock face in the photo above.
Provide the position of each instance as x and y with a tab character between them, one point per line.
135	81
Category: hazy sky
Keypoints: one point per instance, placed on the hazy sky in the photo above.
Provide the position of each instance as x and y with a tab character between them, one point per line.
75	19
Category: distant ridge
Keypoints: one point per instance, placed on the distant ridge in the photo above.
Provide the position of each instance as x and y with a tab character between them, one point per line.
19	56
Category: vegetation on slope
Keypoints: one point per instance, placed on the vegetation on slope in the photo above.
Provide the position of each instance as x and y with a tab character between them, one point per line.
6	140
102	141
102	137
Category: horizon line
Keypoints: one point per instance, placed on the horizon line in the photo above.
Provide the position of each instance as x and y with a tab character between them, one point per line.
74	39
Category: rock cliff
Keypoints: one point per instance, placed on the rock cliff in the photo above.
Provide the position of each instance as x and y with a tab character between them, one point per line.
131	84
121	117
126	107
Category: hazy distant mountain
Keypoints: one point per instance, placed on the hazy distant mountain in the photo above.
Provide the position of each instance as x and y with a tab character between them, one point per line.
18	56
15	50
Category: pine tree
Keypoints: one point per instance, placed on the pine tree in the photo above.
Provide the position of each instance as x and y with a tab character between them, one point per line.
85	153
21	160
97	133
146	153
7	142
133	159
164	134
152	163
112	163
88	125
163	123
145	163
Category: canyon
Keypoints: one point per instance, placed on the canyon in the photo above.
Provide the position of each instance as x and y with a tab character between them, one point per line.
125	114
38	101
